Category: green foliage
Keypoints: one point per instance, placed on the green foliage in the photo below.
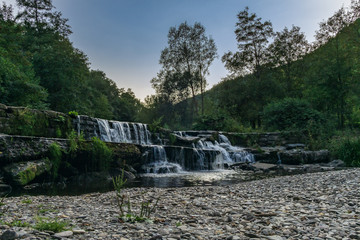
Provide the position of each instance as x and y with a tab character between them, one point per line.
73	114
26	201
3	208
347	148
74	141
155	126
100	155
44	224
291	114
40	67
55	156
27	176
18	223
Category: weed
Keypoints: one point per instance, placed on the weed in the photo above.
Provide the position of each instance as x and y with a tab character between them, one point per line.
124	201
101	155
55	155
44	224
26	201
3	209
18	223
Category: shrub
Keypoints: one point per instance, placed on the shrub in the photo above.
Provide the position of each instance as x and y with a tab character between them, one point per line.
291	114
44	224
73	114
100	155
55	155
347	149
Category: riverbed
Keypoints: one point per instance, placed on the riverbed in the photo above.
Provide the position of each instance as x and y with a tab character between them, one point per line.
322	205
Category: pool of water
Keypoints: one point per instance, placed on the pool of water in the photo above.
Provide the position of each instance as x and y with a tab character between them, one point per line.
172	180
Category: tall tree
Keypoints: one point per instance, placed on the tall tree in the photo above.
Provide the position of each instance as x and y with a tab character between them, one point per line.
40	15
287	47
252	36
186	60
332	67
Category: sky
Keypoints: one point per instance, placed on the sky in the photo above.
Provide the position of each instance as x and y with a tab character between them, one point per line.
124	38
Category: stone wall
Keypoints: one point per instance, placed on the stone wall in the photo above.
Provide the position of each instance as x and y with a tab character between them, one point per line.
25	159
269	139
31	122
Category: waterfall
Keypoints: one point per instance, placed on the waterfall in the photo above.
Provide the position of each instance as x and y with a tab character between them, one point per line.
123	132
200	152
158	163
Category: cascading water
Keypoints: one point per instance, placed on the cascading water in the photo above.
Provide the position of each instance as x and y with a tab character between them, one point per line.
203	155
228	154
123	132
158	163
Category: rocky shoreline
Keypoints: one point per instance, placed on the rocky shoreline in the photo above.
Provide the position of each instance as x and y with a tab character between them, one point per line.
322	205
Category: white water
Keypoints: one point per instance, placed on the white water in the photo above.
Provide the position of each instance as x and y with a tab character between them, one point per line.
206	155
158	162
228	154
123	132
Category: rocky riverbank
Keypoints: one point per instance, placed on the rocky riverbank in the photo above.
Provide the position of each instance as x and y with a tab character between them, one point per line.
321	205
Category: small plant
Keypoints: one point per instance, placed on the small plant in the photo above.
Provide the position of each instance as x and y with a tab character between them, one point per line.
101	155
44	224
124	202
42	209
26	201
74	142
60	118
155	126
55	155
73	114
18	223
3	209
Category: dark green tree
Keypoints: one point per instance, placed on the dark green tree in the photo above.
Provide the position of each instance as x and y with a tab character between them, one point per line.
253	37
288	47
185	62
18	84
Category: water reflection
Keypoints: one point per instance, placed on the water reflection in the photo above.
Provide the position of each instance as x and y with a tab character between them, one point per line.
183	179
186	179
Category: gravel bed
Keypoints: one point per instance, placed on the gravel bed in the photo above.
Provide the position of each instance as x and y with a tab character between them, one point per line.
321	205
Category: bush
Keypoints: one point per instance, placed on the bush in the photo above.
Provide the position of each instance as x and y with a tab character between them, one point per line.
55	155
291	114
44	224
100	155
218	122
347	149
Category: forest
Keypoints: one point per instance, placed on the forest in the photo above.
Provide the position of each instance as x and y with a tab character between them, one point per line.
277	81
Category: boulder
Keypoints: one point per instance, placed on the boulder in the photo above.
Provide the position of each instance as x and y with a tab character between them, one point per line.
24	172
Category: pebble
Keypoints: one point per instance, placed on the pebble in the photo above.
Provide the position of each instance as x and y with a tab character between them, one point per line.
309	206
64	234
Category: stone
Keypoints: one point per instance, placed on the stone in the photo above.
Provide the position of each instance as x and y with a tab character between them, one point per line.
8	235
63	234
24	172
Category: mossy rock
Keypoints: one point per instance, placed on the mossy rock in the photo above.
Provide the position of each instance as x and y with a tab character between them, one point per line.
31	122
24	172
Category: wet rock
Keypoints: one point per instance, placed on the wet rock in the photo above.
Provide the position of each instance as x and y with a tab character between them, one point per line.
24	172
8	235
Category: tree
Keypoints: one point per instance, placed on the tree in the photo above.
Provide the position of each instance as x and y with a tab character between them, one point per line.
332	66
288	47
186	60
39	15
18	84
252	36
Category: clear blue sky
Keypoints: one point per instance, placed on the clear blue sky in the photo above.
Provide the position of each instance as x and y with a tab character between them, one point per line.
124	38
